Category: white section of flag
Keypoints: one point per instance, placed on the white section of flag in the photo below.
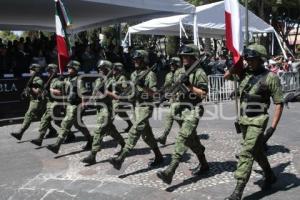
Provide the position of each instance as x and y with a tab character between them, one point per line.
232	10
59	28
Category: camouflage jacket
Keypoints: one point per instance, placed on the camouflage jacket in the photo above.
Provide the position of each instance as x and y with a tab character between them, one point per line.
268	85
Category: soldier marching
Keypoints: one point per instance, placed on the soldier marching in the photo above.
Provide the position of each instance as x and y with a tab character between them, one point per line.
185	87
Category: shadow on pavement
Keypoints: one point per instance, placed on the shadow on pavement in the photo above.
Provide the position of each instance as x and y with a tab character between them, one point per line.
272	150
203	136
69	154
215	168
167	160
285	182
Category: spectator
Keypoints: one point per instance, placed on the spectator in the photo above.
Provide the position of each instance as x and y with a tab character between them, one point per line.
88	60
273	66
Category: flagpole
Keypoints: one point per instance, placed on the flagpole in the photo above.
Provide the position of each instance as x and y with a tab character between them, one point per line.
246	24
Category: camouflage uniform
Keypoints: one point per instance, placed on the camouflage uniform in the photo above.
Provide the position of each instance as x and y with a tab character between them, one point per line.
74	89
255	88
119	81
104	118
187	112
52	107
36	104
142	114
170	79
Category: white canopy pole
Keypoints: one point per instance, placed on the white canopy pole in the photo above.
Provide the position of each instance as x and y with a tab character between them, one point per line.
180	33
126	37
129	39
183	30
272	44
195	29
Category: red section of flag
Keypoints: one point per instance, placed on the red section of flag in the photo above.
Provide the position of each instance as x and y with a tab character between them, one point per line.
229	39
62	52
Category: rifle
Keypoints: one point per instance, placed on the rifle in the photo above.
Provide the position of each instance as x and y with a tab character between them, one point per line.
27	90
142	76
179	85
97	90
44	93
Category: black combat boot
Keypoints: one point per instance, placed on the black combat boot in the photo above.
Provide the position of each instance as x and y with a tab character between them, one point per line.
269	180
18	135
162	139
167	174
159	159
118	161
89	144
90	159
52	133
55	147
238	191
70	138
203	166
38	141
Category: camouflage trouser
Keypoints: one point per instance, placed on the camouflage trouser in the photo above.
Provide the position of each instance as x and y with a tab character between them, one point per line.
169	119
34	111
252	149
187	136
52	109
104	127
73	117
140	127
120	111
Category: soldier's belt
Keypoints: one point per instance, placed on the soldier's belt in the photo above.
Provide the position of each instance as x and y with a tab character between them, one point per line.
253	111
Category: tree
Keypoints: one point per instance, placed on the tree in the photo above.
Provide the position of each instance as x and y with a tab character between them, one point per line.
8	36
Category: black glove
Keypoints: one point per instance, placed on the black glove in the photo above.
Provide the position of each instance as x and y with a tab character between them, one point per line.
141	83
45	93
268	134
185	80
26	93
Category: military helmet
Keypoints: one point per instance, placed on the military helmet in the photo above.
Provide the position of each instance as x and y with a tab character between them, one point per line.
175	61
189	50
35	67
119	66
141	54
74	64
52	67
255	51
104	63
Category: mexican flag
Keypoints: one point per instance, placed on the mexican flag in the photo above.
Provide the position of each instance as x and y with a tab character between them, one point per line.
62	21
234	39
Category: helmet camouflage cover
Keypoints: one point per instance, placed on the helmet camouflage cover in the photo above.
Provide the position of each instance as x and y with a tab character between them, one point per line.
119	66
74	64
189	50
255	51
35	67
141	54
175	61
52	67
104	63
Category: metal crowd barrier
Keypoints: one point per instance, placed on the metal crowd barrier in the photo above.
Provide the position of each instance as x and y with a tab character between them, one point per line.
219	89
290	81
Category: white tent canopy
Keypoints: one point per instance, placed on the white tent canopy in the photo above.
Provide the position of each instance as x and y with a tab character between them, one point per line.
39	14
210	22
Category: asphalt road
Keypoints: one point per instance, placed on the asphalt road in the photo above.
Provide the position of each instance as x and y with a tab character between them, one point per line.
27	172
